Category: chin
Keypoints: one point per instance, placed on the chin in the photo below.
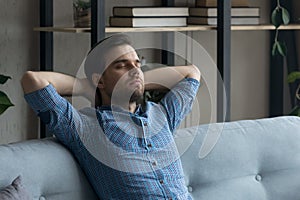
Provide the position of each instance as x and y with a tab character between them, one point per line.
137	95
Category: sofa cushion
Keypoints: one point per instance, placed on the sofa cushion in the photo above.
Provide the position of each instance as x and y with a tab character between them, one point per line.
14	191
48	169
251	159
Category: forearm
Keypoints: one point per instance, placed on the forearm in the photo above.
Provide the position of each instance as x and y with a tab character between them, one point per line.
64	84
167	77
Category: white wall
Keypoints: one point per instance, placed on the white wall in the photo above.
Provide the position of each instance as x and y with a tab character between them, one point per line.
250	69
19	51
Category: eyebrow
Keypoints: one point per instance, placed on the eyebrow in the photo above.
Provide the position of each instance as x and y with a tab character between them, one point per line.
124	60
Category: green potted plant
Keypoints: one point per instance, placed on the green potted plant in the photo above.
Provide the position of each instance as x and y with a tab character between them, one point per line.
280	16
292	77
4	100
82	13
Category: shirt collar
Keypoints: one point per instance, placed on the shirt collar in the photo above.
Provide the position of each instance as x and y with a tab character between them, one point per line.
138	110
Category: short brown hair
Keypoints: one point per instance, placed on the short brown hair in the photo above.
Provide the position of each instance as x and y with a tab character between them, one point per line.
95	60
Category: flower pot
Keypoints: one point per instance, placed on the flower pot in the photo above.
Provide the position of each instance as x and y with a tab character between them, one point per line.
82	18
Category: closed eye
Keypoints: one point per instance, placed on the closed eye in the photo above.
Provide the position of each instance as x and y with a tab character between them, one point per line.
125	63
119	65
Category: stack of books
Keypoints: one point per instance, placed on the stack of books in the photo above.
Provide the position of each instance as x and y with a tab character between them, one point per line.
149	16
205	13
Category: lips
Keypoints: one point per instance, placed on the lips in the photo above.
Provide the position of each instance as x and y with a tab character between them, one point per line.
135	82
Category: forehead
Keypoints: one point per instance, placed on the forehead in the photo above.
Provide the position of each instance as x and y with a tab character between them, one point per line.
119	52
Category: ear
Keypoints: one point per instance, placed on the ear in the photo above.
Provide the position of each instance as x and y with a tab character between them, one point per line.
97	80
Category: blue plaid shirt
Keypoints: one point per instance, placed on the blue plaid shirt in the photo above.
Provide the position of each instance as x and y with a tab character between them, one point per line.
124	155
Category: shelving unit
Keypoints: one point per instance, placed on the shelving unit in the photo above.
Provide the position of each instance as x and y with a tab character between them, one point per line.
262	27
98	31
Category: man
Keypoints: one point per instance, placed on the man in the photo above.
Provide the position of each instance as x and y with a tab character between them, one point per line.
126	150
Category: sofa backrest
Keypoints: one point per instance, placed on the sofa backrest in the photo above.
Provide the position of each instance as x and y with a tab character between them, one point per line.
251	160
47	168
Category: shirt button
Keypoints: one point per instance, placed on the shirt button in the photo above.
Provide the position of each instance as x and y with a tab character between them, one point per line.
145	124
161	181
154	163
258	177
149	145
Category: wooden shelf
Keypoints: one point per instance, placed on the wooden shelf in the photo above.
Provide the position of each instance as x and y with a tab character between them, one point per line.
165	29
126	29
62	29
264	27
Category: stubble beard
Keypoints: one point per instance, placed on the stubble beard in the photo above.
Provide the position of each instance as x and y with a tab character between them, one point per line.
136	96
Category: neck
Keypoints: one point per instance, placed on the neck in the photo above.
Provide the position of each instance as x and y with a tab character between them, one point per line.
130	106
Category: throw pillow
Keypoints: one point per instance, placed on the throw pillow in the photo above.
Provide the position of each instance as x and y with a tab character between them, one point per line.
15	191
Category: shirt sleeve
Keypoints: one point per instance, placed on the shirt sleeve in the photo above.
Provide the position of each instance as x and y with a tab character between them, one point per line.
61	118
179	100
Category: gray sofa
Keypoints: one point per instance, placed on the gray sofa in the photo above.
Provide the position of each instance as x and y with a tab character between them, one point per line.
243	160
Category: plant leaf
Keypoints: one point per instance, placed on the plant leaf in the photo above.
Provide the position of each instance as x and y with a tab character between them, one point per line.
4	102
293	76
81	4
3	78
295	111
276	17
282	49
285	16
274	49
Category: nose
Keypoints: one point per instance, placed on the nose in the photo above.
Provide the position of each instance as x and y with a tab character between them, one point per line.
134	71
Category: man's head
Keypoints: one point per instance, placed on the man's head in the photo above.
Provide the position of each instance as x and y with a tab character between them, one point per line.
114	68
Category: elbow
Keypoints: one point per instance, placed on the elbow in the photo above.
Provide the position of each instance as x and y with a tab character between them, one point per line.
30	82
27	81
27	78
195	73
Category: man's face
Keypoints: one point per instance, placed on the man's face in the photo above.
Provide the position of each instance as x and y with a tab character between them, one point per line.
123	77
